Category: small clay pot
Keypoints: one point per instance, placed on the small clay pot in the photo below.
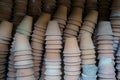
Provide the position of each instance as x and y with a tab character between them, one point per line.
72	68
72	73
88	56
20	63
71	77
71	48
105	46
53	50
51	38
23	66
53	47
24	72
52	57
31	77
88	61
53	42
72	59
87	52
53	29
105	37
22	58
53	72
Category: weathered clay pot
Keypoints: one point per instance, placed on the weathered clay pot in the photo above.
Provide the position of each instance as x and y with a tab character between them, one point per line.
22	58
104	28
6	29
53	42
52	57
106	51
37	46
21	43
43	20
61	12
23	66
92	16
52	47
26	24
20	63
86	52
53	29
71	77
71	46
31	77
86	42
72	27
24	72
88	61
74	22
72	73
89	70
47	77
105	42
52	38
106	55
72	68
86	77
53	72
76	14
53	50
105	46
105	37
88	56
90	24
72	59
71	32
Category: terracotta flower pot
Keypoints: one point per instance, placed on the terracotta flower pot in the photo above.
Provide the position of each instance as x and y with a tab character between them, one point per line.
23	66
26	27
86	42
105	46
106	55
92	15
72	68
76	14
52	57
87	28
72	59
86	52
54	42
104	28
37	46
71	77
6	29
38	33
105	37
43	20
53	72
106	51
89	61
53	47
22	58
53	29
31	77
89	70
20	63
61	12
37	40
90	24
71	32
21	43
47	77
105	42
72	73
86	77
88	56
52	38
71	46
24	72
72	27
53	50
74	22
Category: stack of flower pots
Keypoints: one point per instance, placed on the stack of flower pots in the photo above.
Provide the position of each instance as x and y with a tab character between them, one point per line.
5	9
104	11
66	3
49	6
91	5
61	16
37	41
52	53
34	8
74	23
72	59
105	40
19	12
78	3
89	72
115	21
118	63
5	37
86	44
106	69
23	60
